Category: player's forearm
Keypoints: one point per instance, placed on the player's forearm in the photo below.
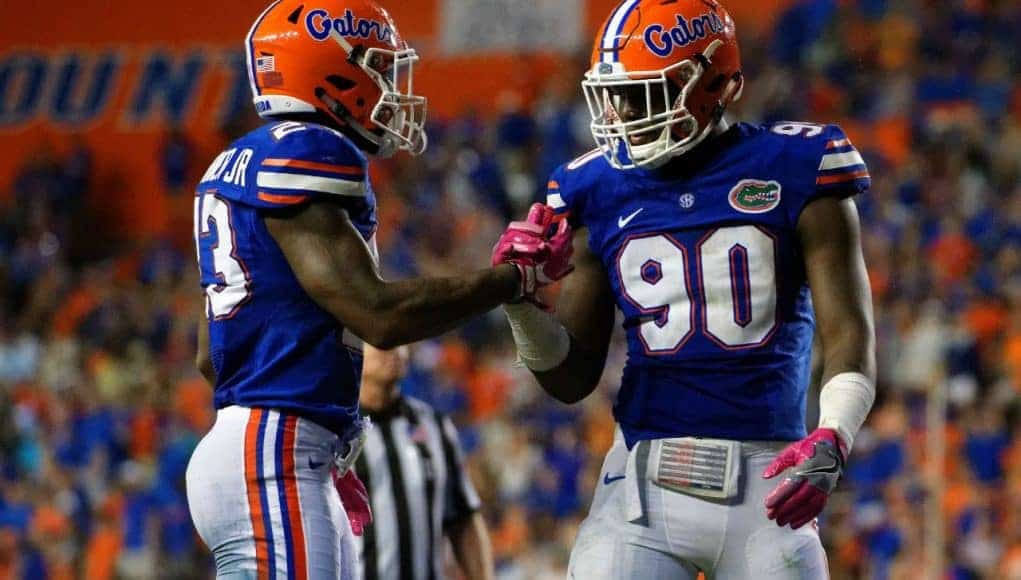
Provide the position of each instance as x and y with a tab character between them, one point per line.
334	265
470	542
853	350
849	380
829	231
565	369
411	310
575	378
849	357
567	352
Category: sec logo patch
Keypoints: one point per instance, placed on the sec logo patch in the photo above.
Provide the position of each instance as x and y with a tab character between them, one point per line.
755	196
687	201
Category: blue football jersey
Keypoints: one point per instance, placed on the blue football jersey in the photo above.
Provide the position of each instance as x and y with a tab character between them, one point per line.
271	345
707	271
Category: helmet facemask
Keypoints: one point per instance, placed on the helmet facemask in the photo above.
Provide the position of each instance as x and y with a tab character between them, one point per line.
400	113
666	128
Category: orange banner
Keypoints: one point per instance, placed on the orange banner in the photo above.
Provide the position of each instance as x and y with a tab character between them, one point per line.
120	75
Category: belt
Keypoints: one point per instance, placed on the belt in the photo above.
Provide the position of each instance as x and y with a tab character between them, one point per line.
707	468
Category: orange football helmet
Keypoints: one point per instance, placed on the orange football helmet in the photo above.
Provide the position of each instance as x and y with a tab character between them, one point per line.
339	58
662	75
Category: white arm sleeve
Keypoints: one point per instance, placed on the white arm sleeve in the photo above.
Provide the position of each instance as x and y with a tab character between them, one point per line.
844	403
543	343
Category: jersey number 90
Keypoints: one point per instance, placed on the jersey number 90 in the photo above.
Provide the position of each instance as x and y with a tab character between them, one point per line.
736	285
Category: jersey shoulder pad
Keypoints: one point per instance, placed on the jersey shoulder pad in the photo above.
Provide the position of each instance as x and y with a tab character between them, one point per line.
569	185
822	161
826	154
300	162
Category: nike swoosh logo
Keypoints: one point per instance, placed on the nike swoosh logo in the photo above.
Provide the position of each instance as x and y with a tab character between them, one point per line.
821	470
607	480
314	464
623	221
832	468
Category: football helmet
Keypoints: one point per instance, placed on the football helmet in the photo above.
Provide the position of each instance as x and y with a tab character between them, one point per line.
662	75
341	58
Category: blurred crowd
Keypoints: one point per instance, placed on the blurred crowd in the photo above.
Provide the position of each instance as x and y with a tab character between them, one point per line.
100	405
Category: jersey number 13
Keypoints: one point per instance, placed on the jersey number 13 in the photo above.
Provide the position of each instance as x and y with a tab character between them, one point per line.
229	288
735	269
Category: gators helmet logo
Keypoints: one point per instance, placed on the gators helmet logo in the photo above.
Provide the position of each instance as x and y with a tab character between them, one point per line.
343	59
661	76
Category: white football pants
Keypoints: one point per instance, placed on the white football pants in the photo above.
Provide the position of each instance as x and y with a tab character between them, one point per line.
675	535
262	498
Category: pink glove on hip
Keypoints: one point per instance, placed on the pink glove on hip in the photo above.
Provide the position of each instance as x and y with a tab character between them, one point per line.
815	464
354	499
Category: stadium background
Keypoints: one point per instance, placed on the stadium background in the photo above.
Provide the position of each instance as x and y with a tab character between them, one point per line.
110	110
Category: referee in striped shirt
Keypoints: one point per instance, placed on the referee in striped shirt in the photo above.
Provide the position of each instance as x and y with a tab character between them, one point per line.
418	487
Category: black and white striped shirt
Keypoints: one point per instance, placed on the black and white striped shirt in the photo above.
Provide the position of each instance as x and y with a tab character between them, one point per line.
413	468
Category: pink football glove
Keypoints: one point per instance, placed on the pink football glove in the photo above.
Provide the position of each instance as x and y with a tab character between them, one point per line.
816	463
354	499
540	256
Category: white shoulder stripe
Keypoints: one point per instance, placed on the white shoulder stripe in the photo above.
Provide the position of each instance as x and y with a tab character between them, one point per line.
838	160
555	201
315	183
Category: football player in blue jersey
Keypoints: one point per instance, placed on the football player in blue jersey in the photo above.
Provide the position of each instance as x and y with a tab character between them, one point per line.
723	246
284	230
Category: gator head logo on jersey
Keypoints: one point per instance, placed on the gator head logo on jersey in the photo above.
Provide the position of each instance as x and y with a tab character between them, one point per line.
755	196
661	77
343	59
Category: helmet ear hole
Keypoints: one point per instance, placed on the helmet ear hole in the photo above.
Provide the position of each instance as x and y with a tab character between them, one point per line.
717	84
344	84
341	83
738	78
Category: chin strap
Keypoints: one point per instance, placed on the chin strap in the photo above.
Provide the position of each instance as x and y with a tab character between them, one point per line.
366	140
731	94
